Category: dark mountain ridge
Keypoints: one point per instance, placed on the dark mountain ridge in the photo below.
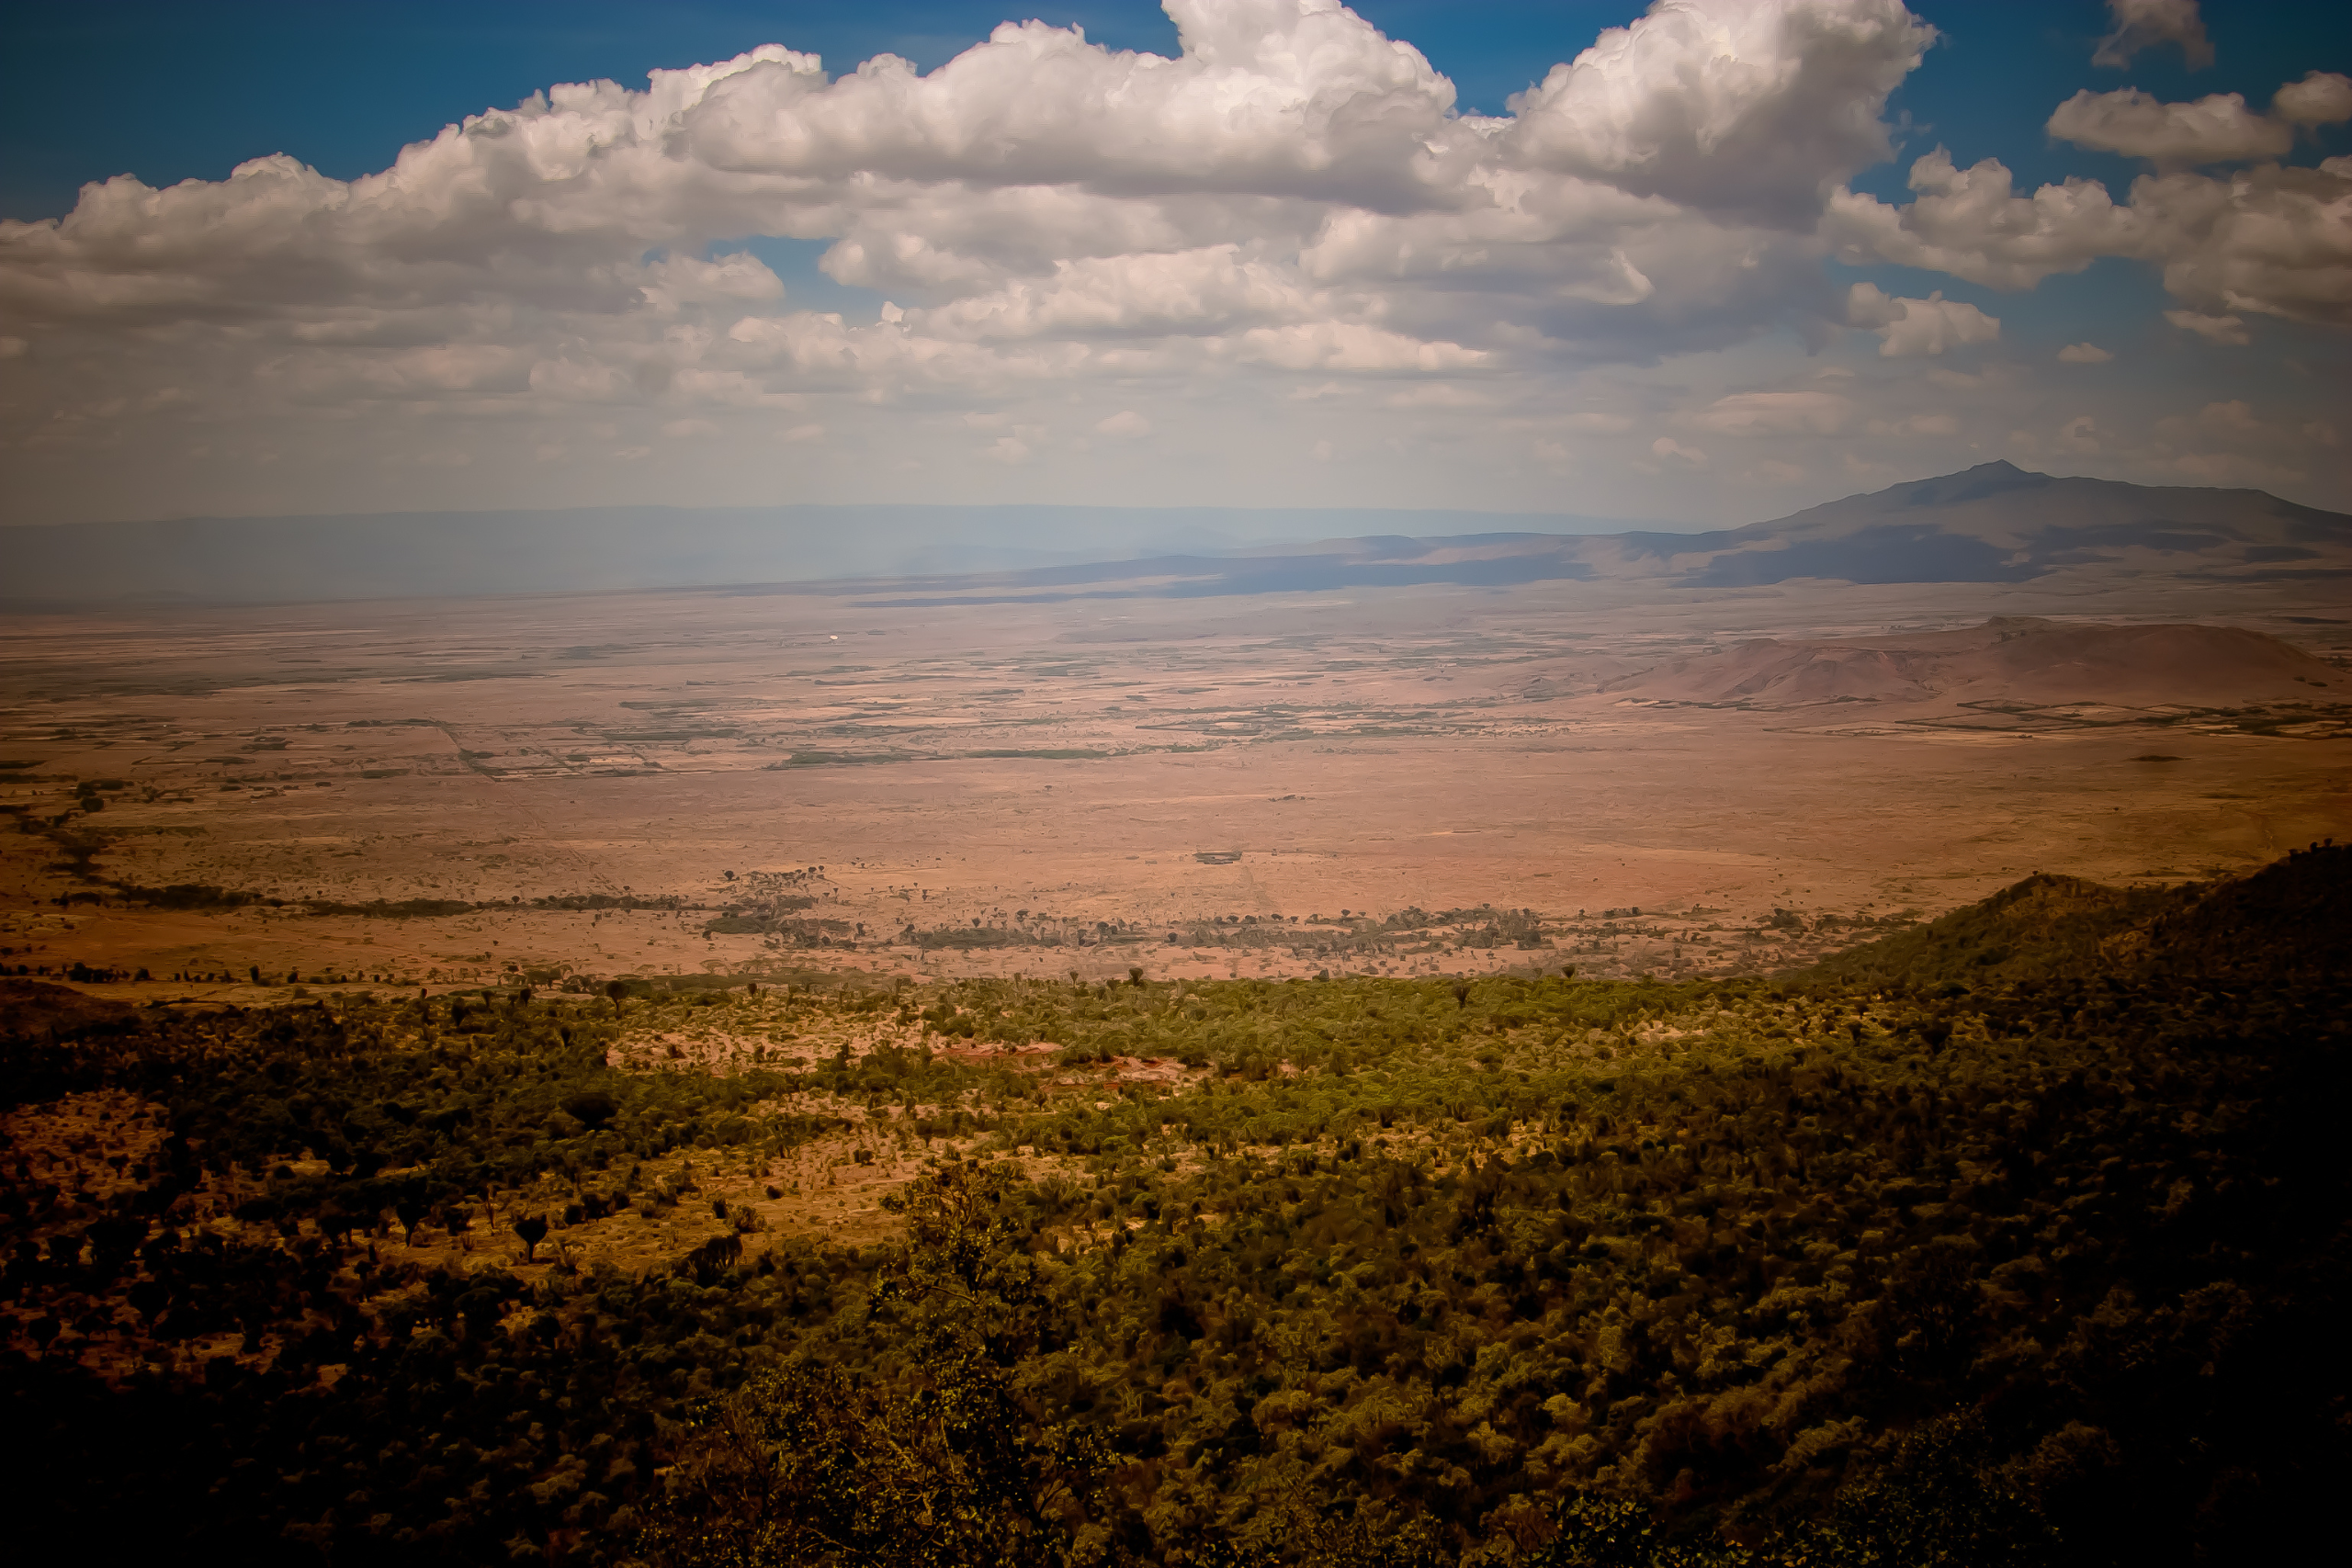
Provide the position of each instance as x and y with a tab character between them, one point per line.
1994	523
2291	917
1997	523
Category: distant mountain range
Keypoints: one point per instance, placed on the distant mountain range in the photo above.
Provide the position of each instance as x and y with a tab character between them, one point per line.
595	549
1992	524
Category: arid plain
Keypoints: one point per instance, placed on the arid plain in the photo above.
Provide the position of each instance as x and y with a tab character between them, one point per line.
1365	780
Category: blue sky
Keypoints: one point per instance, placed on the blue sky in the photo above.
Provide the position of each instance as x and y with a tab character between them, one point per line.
1576	359
198	89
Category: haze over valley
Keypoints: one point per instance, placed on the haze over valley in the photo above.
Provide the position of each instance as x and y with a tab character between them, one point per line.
1170	746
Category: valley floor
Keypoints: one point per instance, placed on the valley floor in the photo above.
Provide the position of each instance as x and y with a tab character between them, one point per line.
1391	782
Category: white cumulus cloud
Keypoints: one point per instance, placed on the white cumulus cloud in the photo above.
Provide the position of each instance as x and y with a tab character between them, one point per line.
2322	97
2229	330
1746	109
1775	413
1907	328
2215	129
1972	223
2273	239
2145	24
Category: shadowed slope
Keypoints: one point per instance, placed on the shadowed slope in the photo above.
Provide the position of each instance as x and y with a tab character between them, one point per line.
2014	658
2043	925
34	1011
2292	916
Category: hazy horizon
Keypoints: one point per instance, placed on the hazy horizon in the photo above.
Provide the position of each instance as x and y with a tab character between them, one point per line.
1994	523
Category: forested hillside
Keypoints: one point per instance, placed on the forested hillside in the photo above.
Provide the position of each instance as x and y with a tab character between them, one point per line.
2019	1238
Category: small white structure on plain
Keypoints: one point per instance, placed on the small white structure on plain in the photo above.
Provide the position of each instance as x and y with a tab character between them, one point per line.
835	637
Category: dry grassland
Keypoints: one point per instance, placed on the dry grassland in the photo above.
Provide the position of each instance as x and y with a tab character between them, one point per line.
1073	781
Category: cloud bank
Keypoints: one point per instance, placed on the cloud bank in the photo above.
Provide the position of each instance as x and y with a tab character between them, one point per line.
1289	213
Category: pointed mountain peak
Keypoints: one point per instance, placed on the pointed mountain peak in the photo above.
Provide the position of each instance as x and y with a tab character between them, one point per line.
1969	484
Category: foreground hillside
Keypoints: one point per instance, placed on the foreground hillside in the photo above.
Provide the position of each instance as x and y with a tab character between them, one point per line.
2016	1239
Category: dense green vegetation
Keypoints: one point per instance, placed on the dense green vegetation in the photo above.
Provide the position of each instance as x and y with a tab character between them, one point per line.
2040	928
1347	937
1919	1257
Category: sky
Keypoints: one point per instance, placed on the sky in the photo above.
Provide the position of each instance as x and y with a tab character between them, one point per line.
1703	262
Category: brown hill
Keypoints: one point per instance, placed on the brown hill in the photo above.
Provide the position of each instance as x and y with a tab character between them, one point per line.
2013	657
2044	925
33	1011
2291	917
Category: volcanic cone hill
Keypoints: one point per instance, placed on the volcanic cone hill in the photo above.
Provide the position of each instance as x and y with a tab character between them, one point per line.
1997	523
2017	658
